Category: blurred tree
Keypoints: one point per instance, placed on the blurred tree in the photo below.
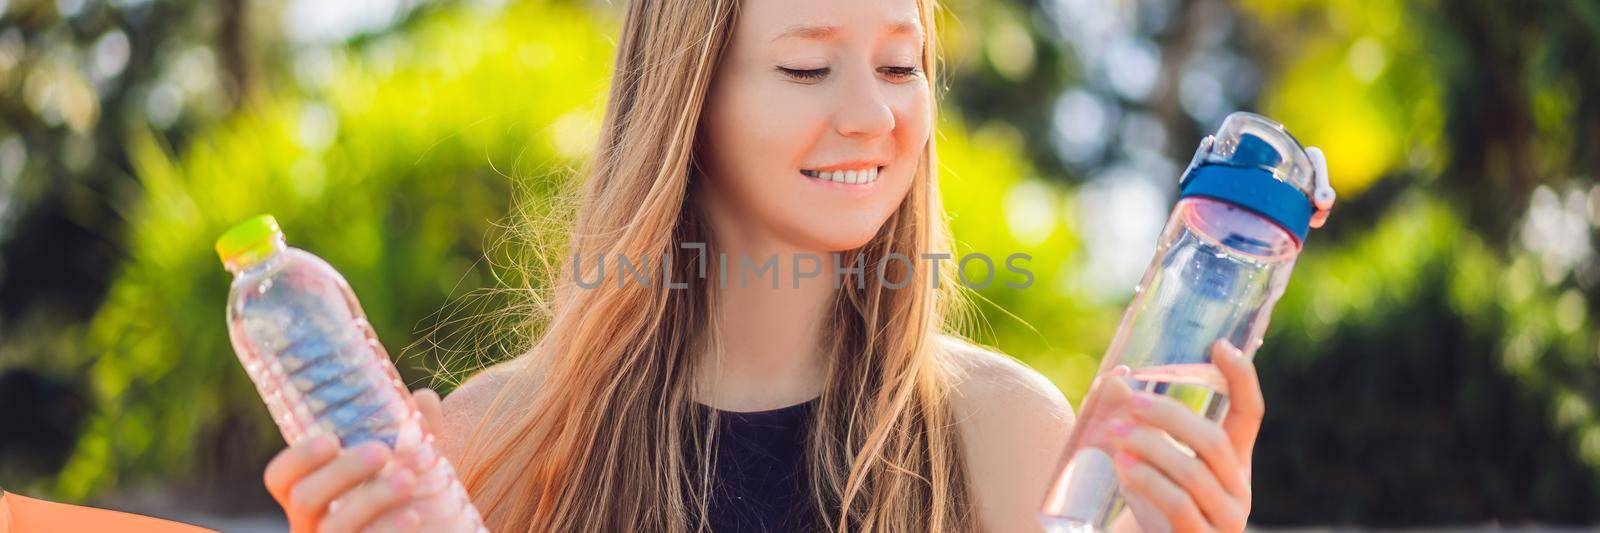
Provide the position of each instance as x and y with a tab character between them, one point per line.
1487	374
74	78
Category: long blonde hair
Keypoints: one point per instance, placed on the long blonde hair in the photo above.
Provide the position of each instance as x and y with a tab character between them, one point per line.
597	430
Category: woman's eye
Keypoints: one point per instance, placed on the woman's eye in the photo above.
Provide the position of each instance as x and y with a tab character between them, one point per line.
805	74
901	73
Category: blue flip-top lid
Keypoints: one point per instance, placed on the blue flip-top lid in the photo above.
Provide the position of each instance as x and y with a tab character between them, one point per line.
1246	180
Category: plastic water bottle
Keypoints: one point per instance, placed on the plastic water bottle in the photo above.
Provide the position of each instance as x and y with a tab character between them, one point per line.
1247	200
317	363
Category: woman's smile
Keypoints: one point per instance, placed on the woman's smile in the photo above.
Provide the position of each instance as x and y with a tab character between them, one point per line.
845	177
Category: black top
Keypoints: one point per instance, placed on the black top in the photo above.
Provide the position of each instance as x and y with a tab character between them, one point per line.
760	482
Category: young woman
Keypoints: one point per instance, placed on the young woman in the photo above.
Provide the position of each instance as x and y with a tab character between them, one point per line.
772	129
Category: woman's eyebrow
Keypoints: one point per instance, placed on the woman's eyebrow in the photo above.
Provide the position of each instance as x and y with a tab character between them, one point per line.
824	32
809	32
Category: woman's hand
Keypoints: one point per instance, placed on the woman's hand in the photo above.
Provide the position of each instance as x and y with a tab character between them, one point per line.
309	476
1166	486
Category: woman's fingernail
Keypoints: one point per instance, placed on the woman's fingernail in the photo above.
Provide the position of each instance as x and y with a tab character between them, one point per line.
1125	459
400	481
324	444
1121	428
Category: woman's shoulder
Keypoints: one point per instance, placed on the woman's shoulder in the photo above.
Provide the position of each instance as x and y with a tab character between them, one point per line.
478	391
1014	424
467	405
986	379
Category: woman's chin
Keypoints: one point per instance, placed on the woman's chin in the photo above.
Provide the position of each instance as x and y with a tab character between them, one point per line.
841	240
827	229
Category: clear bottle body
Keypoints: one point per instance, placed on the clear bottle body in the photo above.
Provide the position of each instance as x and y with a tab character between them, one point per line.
1217	272
306	344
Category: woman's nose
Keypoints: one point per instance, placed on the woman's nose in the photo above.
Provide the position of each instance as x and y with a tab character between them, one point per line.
864	112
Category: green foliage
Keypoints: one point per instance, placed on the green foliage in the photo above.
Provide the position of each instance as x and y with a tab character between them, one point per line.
1399	398
1000	206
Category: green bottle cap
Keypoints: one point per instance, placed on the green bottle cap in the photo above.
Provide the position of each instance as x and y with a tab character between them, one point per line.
249	241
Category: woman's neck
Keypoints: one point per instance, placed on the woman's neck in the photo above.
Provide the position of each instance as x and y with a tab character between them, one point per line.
770	338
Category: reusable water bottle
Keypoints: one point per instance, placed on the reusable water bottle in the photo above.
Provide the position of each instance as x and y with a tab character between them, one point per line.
305	342
1247	200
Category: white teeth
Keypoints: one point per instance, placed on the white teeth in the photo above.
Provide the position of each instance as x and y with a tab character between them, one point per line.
850	177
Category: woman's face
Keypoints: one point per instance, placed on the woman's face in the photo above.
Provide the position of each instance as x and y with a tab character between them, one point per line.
816	121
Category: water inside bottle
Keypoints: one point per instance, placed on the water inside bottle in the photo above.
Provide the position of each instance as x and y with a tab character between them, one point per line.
318	347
